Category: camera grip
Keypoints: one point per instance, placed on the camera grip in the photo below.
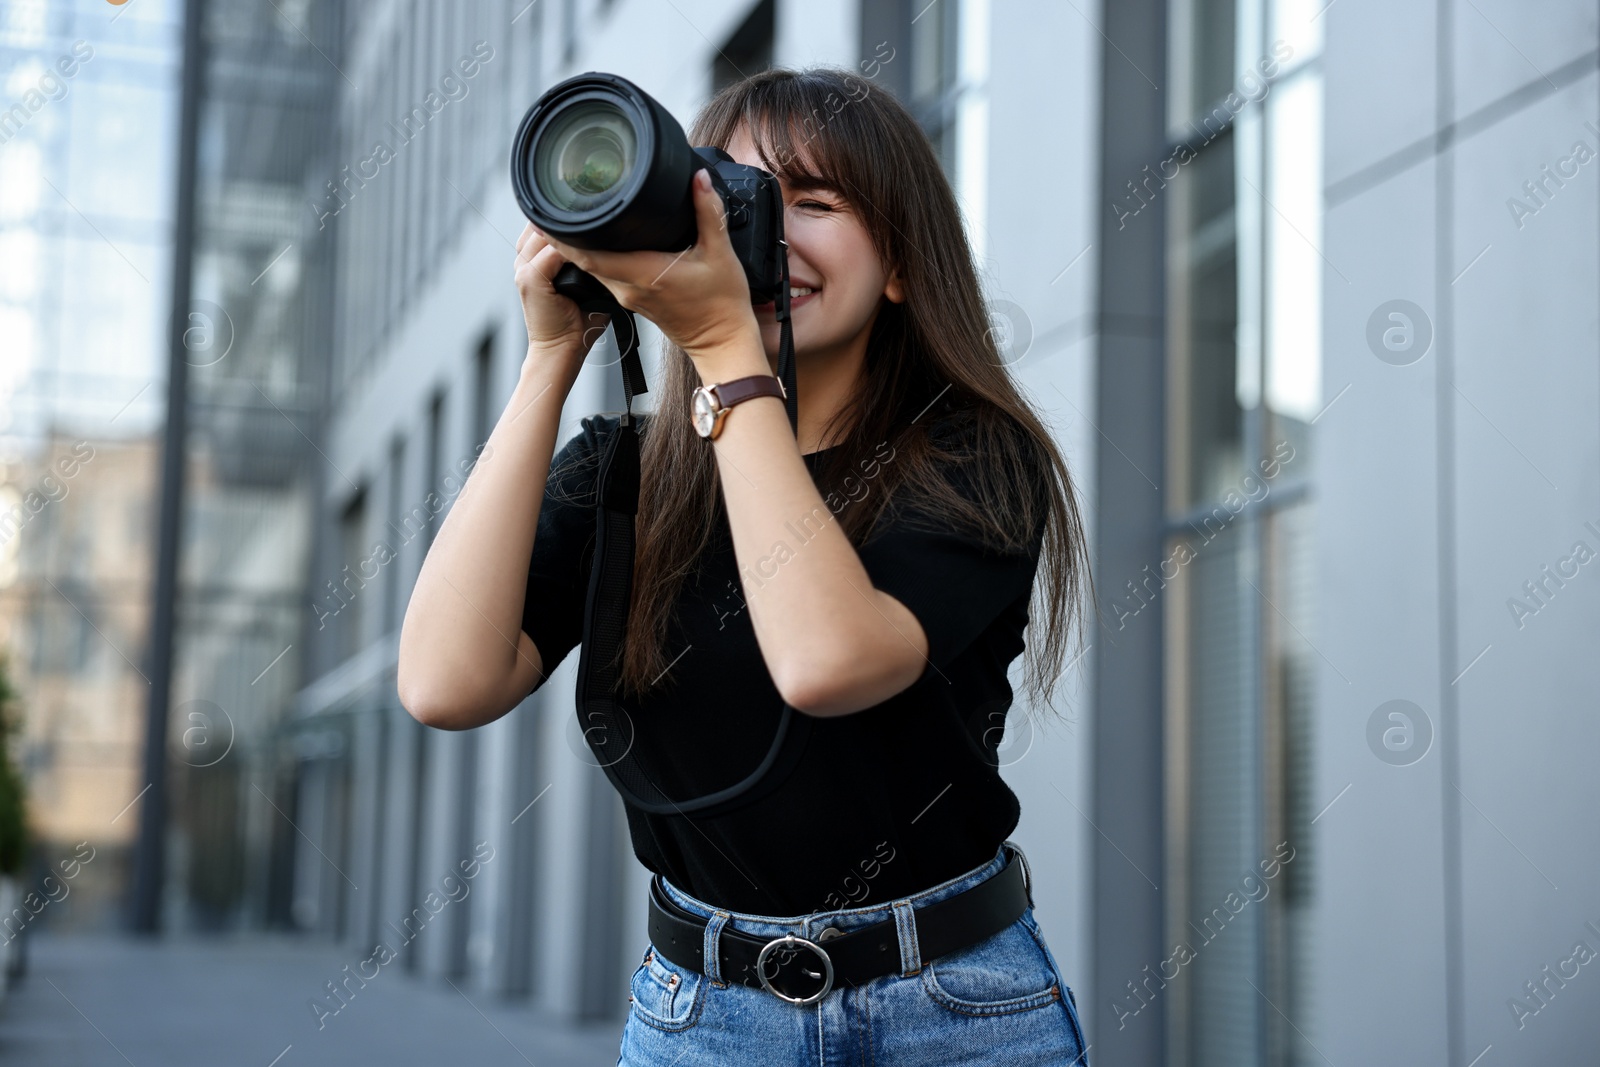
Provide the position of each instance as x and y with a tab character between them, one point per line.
584	289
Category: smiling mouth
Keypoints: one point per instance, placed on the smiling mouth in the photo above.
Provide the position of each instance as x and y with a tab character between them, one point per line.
796	293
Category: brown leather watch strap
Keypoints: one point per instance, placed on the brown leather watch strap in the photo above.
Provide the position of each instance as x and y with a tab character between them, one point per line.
741	389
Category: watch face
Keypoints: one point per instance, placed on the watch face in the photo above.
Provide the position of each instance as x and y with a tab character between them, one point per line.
704	412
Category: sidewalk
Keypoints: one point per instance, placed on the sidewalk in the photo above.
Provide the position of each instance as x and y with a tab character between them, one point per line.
88	1001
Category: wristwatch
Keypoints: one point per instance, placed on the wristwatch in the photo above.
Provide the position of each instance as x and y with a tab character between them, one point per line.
710	404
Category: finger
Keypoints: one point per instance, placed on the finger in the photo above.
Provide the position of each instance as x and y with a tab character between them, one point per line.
581	258
709	211
630	270
523	237
546	262
568	253
533	245
617	270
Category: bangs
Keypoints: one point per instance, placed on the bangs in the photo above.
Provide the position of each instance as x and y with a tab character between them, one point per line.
808	129
796	153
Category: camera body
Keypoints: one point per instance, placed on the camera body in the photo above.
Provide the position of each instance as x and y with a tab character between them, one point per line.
600	164
754	204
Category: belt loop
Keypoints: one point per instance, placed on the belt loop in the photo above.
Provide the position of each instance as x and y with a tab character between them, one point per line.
905	925
711	953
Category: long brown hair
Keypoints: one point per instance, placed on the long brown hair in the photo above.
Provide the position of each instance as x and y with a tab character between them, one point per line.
931	365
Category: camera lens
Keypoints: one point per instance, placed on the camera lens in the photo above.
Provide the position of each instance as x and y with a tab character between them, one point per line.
597	162
582	160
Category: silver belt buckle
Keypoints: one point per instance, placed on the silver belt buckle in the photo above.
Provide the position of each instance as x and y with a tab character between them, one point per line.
788	940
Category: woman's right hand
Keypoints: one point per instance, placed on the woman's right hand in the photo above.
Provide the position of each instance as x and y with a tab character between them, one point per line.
556	328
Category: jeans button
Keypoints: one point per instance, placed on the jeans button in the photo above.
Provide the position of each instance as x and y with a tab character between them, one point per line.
829	931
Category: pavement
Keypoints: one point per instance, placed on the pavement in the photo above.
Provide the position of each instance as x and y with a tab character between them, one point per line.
104	1000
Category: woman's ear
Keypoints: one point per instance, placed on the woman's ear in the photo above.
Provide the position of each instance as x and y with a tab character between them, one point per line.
895	288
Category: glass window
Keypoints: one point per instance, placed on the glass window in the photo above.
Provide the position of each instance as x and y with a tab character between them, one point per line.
352	546
1293	230
748	51
1289	662
1244	321
397	534
934	67
1201	56
431	459
1216	1009
1205	317
483	397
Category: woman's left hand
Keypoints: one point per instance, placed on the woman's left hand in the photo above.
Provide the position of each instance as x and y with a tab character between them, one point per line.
698	298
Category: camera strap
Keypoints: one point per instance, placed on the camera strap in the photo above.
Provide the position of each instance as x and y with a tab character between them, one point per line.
608	728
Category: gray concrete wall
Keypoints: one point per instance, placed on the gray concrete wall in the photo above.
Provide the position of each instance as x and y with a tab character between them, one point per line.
1452	875
1040	251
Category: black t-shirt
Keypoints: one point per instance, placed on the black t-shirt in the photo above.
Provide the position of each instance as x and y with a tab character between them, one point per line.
885	801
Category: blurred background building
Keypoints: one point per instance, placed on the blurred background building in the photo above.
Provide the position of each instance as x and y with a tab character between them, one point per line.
86	159
1308	290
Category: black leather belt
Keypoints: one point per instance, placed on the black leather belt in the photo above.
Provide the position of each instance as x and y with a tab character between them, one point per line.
801	971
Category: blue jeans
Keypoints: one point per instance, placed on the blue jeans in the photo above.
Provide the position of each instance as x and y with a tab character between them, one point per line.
1001	1001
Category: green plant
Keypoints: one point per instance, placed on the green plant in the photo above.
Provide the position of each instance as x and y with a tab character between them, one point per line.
13	794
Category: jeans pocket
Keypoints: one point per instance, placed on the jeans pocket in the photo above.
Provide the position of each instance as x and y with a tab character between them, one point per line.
1008	972
665	995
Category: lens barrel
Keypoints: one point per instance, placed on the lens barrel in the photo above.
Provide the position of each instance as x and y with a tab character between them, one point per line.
598	163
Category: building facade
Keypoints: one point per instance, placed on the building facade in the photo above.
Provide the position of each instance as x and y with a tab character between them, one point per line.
1272	269
84	260
427	346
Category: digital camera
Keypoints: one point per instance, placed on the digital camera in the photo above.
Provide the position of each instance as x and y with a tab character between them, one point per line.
600	164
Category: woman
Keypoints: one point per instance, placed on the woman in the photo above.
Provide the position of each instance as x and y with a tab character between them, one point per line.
875	575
